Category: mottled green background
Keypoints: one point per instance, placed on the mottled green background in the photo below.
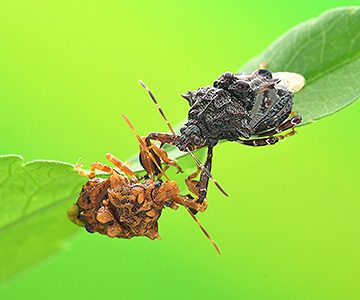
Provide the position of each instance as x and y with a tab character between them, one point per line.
290	228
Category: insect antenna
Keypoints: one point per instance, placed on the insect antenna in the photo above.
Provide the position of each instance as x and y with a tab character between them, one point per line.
144	146
187	149
158	106
204	231
207	173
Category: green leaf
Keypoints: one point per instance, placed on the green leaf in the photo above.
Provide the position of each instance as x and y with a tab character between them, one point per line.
34	198
326	51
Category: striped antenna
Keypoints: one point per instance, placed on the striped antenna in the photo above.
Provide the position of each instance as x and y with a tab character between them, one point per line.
204	231
145	147
207	173
157	104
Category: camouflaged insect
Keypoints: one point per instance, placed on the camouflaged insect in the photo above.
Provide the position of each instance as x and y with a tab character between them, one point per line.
236	106
249	108
122	207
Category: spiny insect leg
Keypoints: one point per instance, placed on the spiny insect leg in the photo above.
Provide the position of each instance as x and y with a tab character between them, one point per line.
282	127
259	142
122	166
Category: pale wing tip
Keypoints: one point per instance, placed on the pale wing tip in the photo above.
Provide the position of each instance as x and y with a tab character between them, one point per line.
293	81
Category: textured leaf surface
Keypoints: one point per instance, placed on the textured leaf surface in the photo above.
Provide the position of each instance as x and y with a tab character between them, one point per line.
34	198
326	51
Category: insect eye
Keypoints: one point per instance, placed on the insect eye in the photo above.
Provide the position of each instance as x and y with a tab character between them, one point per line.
197	141
157	184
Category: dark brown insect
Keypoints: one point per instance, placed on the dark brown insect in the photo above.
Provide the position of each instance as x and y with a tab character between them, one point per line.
123	206
247	108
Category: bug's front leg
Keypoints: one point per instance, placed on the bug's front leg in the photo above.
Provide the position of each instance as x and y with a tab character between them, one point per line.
188	200
149	151
200	188
163	155
163	138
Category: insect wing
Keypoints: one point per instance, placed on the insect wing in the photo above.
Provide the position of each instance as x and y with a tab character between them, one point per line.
293	81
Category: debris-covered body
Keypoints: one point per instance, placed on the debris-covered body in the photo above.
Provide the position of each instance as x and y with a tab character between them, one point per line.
124	208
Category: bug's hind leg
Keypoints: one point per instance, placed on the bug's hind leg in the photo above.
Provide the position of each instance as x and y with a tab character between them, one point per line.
271	140
284	136
259	142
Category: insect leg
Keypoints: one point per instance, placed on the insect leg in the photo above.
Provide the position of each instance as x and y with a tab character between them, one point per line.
204	179
163	138
144	155
258	142
190	202
203	230
282	127
146	161
95	165
145	147
284	136
163	155
122	166
193	186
